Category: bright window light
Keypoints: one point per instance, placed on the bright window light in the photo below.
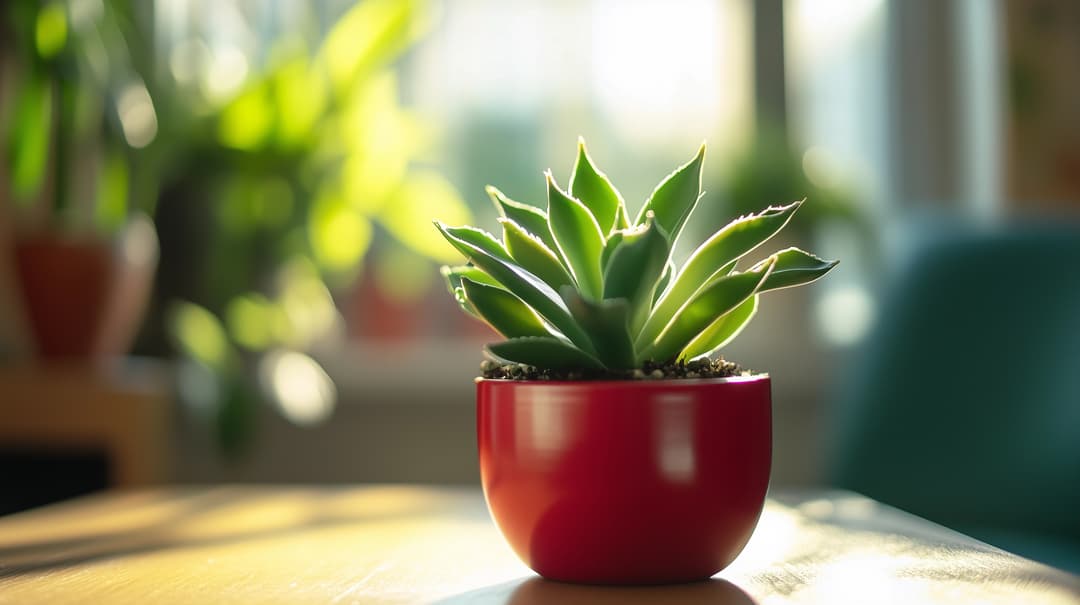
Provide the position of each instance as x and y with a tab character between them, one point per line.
654	72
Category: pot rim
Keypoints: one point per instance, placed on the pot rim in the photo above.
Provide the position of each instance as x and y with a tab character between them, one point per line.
642	383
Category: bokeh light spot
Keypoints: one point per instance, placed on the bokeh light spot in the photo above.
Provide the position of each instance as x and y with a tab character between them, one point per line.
138	119
300	387
306	303
225	73
845	314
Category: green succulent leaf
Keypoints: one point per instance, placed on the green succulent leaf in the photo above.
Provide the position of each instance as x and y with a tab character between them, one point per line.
634	269
717	298
579	286
622	220
544	352
453	277
665	279
607	323
502	310
578	239
459	296
723	330
675	197
595	191
795	267
713	258
526	286
481	239
612	242
533	255
532	219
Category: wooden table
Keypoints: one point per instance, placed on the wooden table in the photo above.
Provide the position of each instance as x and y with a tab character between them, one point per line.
423	545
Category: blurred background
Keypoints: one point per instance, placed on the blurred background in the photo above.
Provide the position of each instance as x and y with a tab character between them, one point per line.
217	263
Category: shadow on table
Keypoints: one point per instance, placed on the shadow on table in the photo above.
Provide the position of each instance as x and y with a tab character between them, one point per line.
538	591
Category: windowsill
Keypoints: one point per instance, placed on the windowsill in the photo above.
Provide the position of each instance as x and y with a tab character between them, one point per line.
406	373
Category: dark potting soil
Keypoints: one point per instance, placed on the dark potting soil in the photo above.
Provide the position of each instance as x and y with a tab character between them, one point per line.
698	368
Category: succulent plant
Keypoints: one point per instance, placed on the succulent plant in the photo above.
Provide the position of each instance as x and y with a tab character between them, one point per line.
579	286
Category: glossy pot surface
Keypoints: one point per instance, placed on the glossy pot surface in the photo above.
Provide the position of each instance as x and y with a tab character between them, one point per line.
628	482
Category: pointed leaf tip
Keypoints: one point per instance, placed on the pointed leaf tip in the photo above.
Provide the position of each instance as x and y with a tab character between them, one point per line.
589	185
795	267
713	259
532	219
578	238
676	196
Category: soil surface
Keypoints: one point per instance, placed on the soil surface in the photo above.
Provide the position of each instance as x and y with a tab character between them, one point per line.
698	368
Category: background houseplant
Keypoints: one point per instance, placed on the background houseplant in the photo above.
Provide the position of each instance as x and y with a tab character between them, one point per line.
285	189
596	479
76	113
272	188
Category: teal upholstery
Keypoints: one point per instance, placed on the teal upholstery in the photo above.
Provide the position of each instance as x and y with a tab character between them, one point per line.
963	405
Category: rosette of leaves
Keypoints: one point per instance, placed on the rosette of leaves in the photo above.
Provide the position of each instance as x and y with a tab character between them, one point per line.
578	285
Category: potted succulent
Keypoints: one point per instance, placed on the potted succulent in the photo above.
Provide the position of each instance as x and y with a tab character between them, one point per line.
613	449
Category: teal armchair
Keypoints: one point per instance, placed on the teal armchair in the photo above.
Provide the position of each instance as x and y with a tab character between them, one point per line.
963	405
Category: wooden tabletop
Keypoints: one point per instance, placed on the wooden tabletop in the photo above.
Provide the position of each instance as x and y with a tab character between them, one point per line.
425	545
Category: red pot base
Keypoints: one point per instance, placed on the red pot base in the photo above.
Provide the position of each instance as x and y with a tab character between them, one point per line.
625	482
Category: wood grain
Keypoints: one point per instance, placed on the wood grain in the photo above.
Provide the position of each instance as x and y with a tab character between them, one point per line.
423	545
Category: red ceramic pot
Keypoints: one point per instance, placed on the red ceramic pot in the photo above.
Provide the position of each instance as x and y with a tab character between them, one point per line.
626	482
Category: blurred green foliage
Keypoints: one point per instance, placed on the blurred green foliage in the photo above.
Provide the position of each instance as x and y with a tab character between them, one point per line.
305	165
770	169
291	176
78	105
